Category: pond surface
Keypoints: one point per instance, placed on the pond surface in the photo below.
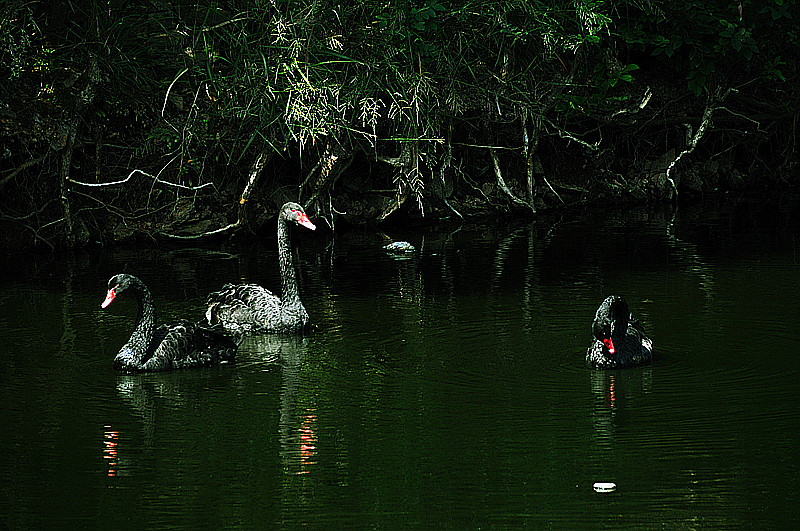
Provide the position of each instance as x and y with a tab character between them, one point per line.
447	389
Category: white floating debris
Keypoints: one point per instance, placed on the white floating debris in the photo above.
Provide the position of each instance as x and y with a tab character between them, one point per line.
603	486
399	247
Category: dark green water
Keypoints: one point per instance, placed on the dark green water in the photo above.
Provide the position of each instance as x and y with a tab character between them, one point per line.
445	390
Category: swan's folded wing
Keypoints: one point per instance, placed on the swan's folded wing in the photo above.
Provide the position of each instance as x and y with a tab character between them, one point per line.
173	347
186	344
246	293
246	307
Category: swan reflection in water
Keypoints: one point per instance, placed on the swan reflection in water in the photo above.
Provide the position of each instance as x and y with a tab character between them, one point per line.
306	455
297	425
297	429
110	453
153	396
141	393
611	390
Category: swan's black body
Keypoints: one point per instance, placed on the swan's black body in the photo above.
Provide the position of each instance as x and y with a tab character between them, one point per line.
251	308
620	340
174	346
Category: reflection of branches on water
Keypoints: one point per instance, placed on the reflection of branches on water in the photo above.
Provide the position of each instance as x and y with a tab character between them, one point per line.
689	252
501	256
409	281
532	279
534	249
530	282
68	336
446	271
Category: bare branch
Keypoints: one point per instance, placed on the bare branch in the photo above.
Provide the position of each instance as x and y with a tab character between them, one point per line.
552	189
255	172
220	230
648	93
705	122
128	178
567	136
34	213
22	167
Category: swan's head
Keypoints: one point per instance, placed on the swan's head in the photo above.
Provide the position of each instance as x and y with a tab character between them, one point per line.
295	213
611	323
116	285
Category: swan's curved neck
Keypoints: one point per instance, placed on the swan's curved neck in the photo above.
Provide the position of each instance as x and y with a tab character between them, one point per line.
620	330
289	292
621	316
145	322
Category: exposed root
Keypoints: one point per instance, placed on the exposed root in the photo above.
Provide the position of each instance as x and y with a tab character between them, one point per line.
501	183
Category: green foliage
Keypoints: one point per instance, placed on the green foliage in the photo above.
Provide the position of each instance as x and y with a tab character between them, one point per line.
706	39
18	33
207	83
608	80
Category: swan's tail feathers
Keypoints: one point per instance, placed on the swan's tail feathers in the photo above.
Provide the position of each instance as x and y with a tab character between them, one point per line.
218	345
233	316
222	295
217	333
637	324
214	314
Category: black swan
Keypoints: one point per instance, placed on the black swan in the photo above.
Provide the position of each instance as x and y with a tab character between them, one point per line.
620	340
251	308
174	346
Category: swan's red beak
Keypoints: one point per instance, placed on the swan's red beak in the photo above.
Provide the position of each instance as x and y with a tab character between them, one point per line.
302	219
110	296
609	345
